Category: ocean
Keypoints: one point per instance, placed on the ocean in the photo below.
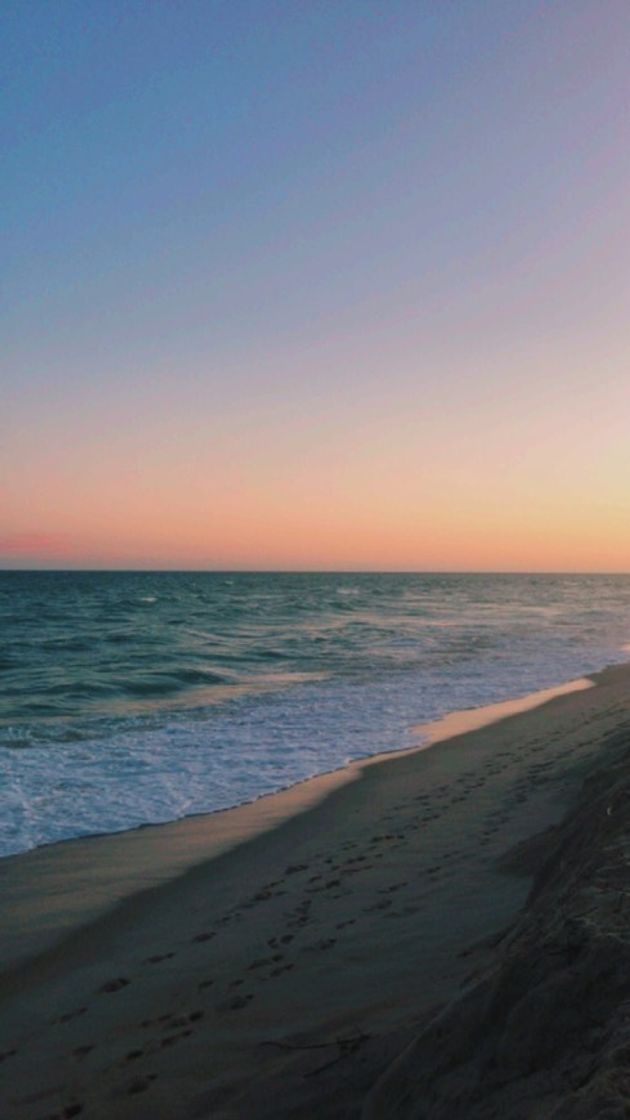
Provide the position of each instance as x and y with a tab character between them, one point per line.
136	697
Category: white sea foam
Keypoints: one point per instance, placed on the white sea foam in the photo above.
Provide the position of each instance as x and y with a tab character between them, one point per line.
301	686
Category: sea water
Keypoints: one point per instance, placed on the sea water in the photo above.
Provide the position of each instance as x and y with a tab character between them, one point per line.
132	697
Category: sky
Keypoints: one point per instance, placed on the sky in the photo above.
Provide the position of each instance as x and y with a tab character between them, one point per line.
315	285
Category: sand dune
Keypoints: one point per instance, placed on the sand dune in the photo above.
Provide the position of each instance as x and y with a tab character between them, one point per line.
546	1031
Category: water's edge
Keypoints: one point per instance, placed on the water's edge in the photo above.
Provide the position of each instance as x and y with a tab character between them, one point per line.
90	876
128	700
308	791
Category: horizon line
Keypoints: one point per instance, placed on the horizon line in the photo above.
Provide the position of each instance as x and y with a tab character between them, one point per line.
321	571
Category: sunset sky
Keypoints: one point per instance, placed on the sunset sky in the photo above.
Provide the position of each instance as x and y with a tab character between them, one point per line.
315	284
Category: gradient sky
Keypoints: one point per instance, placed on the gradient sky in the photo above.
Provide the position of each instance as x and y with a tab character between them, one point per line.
315	284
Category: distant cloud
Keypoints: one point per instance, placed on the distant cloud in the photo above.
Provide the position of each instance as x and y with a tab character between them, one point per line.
34	544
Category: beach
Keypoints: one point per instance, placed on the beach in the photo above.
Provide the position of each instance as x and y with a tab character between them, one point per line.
282	959
315	561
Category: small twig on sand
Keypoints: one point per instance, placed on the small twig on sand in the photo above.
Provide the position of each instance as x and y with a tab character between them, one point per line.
295	1046
345	1047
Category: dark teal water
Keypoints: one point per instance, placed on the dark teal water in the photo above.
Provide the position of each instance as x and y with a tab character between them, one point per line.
132	697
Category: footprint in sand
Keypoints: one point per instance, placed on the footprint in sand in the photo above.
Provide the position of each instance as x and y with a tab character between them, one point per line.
171	1039
406	912
281	968
384	905
115	985
182	1020
224	921
260	962
275	942
69	1111
69	1015
237	1003
320	946
299	921
141	1084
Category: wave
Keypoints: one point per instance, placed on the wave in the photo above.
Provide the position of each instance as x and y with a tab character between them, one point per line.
113	714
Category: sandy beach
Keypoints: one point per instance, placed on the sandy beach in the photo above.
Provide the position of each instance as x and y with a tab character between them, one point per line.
315	560
269	962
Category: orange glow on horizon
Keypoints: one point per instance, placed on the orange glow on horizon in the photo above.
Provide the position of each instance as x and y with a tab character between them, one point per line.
460	535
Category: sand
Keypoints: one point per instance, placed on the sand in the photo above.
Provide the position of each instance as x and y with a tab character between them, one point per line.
183	971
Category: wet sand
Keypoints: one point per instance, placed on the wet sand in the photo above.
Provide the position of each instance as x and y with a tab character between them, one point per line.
283	975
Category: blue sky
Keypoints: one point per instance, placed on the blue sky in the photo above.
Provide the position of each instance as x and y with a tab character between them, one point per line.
208	207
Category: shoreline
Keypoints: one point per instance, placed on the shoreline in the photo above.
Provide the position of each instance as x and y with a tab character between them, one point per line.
282	978
19	837
181	844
